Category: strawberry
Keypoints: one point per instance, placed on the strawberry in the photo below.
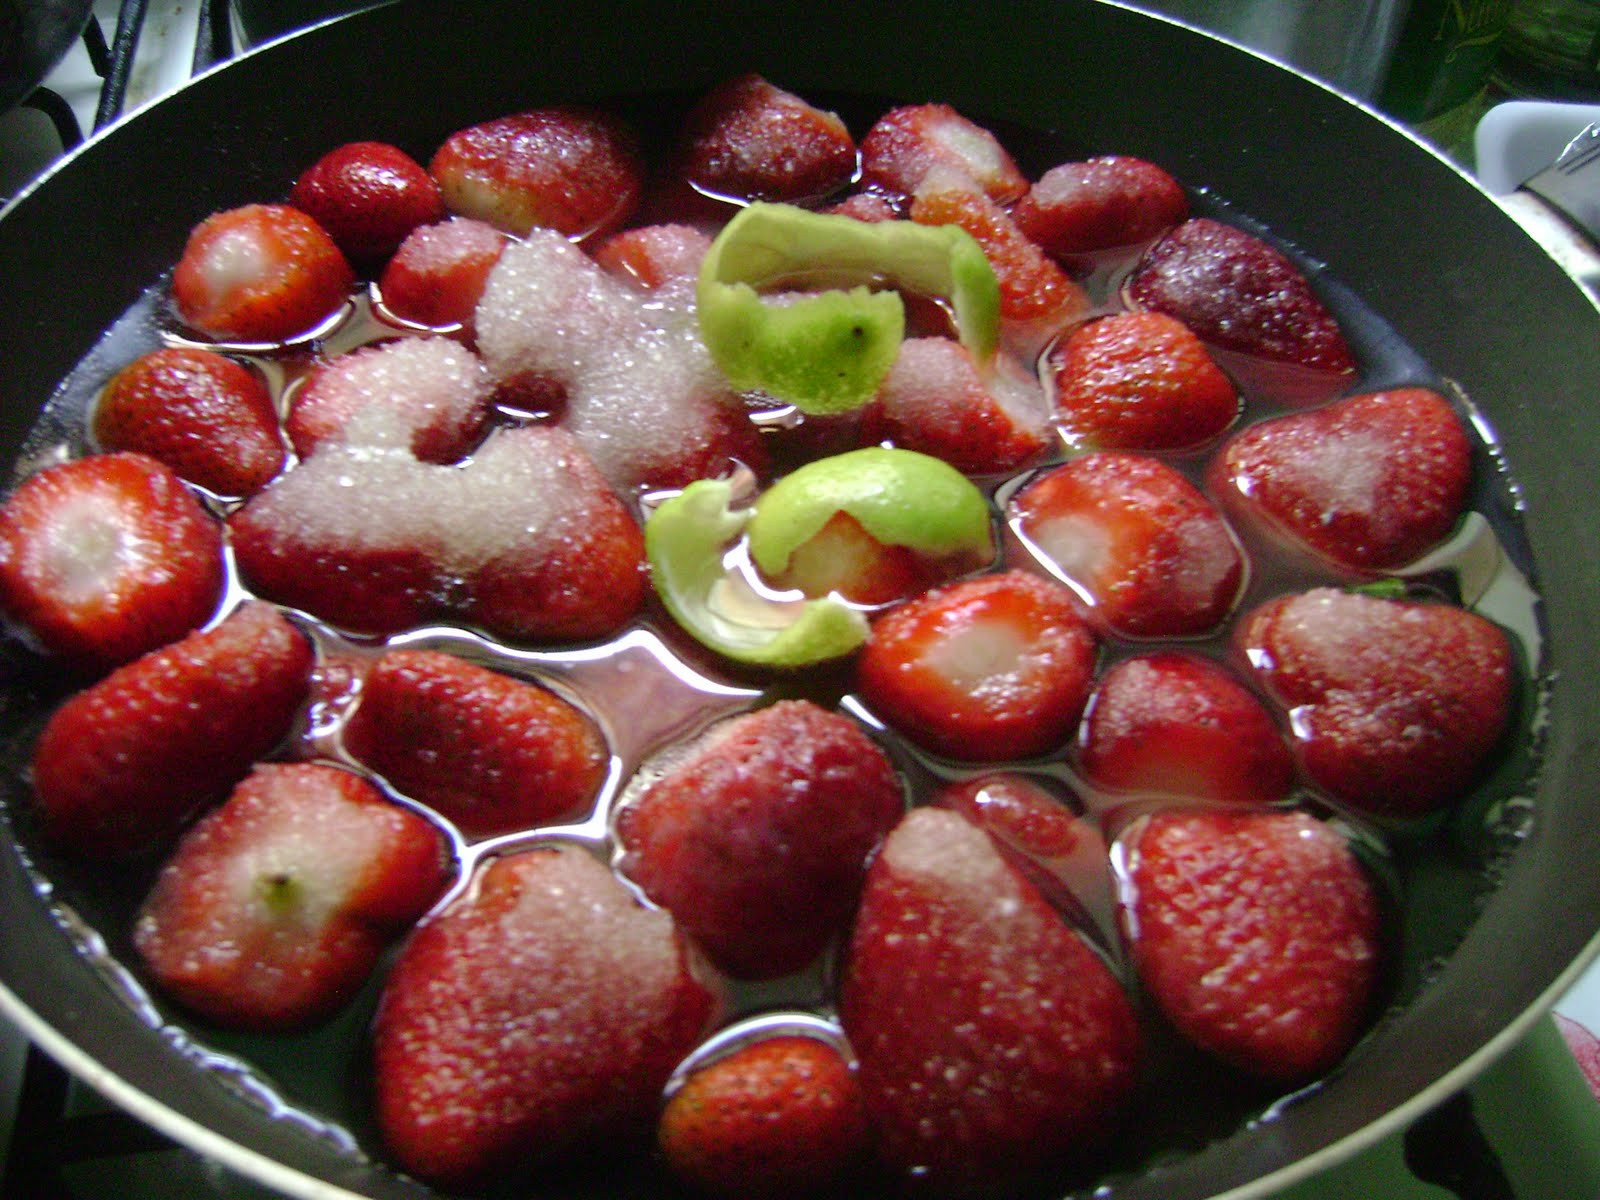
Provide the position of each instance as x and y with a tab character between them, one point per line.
987	668
1139	381
577	171
123	763
209	418
1256	933
1397	703
993	1042
438	274
261	273
107	557
273	909
909	142
535	1018
1177	724
1148	554
756	840
1104	203
1369	482
1238	292
843	557
491	753
652	256
777	1117
369	196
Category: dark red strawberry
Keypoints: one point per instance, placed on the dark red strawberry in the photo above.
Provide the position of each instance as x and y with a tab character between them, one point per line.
107	557
368	196
273	909
988	668
261	273
1256	934
654	255
206	416
993	1042
1369	482
775	1118
536	1018
907	143
1179	725
1397	703
574	170
492	753
1139	381
123	763
757	840
1238	292
437	276
1078	208
1146	552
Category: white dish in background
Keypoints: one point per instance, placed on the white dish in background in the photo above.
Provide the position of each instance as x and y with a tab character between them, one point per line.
1518	139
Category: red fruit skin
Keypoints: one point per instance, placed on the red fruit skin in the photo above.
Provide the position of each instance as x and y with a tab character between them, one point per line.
1256	934
993	1043
206	416
780	1117
1179	725
908	142
123	763
1368	483
368	196
273	909
536	1017
1016	812
491	753
1104	203
438	274
105	558
1237	291
757	841
983	669
1141	382
1397	703
570	169
260	273
651	256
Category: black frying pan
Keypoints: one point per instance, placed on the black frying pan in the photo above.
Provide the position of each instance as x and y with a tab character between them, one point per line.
1429	251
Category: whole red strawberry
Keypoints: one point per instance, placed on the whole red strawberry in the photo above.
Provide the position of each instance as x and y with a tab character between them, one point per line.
273	909
778	1117
1256	934
909	142
368	196
438	274
1104	203
105	558
757	840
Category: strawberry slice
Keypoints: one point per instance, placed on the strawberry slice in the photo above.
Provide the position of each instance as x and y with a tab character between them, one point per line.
1255	933
491	753
983	669
757	840
536	1017
843	558
123	763
1368	483
209	418
438	274
107	557
1103	203
993	1042
258	274
778	1117
1147	553
273	909
1179	725
1397	704
909	142
1139	381
369	196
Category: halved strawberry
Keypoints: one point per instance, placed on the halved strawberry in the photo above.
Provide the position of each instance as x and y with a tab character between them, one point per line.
1146	552
260	273
209	418
123	763
1369	482
438	274
652	256
757	840
908	142
1139	381
1256	934
492	753
107	557
368	196
843	557
1179	725
1397	704
273	909
777	1117
993	1042
983	669
1103	203
536	1017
